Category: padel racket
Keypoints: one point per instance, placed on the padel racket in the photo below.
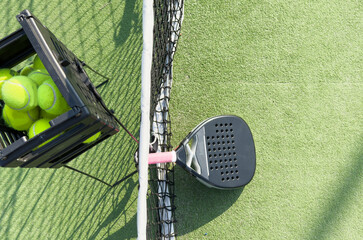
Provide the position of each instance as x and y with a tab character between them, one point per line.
219	152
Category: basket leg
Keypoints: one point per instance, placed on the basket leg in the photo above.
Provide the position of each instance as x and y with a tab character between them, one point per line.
98	73
100	180
102	83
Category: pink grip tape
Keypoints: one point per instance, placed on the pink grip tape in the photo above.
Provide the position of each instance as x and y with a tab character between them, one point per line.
162	157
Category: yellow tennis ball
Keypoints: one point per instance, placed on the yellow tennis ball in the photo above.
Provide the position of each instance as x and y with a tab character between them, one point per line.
20	121
5	74
38	127
93	138
26	70
20	93
50	98
44	114
37	63
39	76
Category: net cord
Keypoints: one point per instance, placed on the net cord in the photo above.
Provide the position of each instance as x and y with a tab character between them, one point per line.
160	121
146	63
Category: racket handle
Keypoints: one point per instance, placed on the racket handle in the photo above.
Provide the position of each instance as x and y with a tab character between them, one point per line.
162	157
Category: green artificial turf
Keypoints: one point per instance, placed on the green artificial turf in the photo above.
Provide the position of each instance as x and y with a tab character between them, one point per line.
291	69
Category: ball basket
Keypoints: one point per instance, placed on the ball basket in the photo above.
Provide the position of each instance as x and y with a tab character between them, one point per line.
88	114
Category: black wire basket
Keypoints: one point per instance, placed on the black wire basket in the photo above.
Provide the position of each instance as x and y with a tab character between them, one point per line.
87	116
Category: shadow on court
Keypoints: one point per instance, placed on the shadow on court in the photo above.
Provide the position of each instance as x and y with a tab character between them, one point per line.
340	199
197	204
129	19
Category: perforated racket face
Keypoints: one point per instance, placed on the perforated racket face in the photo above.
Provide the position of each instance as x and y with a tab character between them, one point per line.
220	152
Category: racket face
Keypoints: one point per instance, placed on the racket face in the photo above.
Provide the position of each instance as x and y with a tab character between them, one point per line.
219	152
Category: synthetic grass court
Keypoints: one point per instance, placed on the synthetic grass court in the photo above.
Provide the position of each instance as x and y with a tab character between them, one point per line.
291	69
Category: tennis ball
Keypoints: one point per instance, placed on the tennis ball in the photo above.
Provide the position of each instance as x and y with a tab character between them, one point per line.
38	127
20	121
20	93
26	70
93	138
39	76
5	74
44	114
50	99
37	63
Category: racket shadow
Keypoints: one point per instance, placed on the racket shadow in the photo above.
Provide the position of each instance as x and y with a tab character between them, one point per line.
198	204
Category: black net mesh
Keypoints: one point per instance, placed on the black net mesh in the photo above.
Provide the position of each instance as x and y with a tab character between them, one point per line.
168	16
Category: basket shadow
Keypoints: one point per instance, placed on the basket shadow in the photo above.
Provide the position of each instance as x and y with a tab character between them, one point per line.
128	232
119	211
